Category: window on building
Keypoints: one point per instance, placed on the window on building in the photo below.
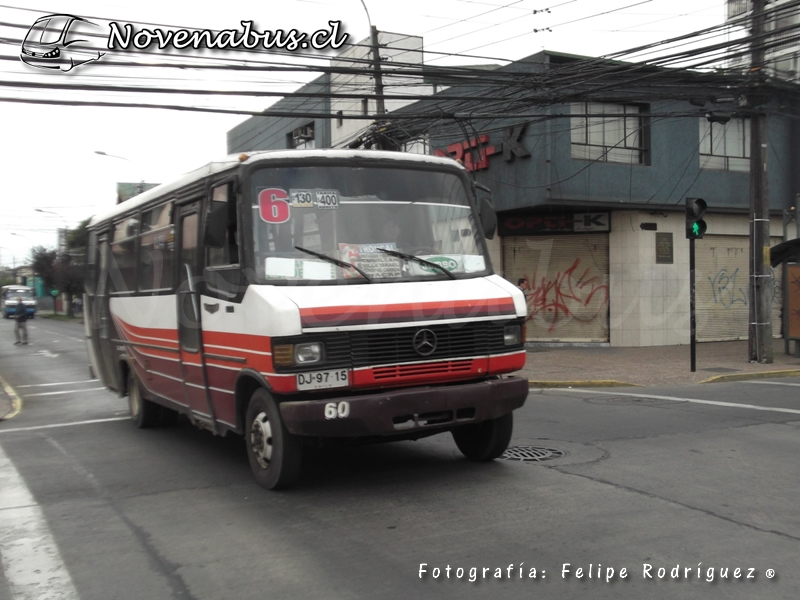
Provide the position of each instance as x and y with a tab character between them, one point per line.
725	146
301	137
609	132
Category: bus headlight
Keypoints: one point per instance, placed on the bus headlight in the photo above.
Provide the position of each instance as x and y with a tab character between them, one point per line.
512	335
291	355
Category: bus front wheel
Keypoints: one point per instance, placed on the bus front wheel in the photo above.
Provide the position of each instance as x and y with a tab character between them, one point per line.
143	412
275	454
485	441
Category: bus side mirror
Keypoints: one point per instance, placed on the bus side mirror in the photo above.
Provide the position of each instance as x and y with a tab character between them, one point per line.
216	224
488	218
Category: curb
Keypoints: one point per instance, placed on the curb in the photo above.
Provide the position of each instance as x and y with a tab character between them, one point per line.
16	402
753	375
580	384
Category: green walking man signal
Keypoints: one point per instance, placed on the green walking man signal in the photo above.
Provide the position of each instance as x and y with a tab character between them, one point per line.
695	225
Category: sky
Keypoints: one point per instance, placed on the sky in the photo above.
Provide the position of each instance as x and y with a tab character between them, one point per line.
54	178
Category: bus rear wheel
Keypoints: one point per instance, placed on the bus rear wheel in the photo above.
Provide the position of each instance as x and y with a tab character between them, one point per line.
144	413
485	441
275	455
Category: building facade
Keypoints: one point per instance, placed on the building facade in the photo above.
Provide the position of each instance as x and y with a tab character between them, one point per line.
591	199
782	59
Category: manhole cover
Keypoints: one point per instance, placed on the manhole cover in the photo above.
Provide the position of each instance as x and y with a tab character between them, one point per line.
532	453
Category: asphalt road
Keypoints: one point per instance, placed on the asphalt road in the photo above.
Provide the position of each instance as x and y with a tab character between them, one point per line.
639	478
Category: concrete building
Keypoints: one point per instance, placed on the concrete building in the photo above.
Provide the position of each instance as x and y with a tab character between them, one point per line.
352	75
782	59
591	199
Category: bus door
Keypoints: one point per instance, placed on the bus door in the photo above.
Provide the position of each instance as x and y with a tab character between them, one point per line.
195	383
100	317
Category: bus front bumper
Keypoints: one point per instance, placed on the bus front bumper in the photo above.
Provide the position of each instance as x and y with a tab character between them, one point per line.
401	411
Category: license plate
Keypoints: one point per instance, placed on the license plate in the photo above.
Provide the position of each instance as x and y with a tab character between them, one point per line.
317	380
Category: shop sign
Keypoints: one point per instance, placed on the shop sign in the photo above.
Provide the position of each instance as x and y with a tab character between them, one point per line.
474	153
563	223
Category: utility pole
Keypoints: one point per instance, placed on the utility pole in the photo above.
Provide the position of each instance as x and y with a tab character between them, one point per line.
760	347
376	67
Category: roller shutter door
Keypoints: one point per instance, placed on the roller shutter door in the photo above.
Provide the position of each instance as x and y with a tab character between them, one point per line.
722	279
568	290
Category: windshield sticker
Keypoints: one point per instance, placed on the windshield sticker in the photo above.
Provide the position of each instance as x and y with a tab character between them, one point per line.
369	259
474	264
451	263
328	199
313	269
302	198
277	266
273	205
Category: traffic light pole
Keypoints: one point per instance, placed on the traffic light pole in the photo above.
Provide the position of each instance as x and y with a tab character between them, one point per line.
695	229
692	320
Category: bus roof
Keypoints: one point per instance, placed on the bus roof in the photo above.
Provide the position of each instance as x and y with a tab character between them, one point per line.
232	160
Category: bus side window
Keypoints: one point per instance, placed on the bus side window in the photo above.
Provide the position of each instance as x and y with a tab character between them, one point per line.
90	282
156	249
228	254
123	255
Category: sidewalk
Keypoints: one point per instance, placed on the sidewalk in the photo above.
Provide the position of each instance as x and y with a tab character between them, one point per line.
653	365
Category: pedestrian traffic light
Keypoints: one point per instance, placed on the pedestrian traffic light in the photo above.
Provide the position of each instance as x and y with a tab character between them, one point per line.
695	225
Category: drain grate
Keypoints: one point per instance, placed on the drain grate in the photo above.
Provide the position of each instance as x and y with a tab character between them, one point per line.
532	453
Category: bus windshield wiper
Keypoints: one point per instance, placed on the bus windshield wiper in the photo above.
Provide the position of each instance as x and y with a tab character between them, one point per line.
421	261
336	261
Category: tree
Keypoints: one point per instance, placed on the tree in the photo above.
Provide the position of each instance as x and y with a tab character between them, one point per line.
76	239
43	261
69	278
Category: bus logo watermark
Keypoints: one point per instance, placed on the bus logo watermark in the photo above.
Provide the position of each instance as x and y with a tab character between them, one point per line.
59	42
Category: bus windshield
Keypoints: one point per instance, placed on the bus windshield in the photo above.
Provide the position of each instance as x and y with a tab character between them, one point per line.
12	293
353	215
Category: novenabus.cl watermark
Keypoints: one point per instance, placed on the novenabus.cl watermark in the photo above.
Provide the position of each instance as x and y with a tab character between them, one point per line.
248	37
63	42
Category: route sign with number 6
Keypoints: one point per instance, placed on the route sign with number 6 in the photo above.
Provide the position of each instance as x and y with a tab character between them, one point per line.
273	205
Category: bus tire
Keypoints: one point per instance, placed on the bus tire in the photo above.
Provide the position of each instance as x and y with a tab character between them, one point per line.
169	417
485	441
144	413
275	455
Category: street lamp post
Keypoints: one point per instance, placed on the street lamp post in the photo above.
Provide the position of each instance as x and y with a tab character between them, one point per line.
141	179
64	230
13	263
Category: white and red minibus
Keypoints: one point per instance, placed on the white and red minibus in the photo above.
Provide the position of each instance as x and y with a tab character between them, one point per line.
322	296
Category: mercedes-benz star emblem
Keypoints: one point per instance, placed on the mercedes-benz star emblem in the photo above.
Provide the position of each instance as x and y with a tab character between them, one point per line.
425	342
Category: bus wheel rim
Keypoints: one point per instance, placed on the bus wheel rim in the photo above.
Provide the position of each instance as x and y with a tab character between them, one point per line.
261	440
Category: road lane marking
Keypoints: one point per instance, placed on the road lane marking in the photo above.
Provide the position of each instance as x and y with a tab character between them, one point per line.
32	564
56	425
679	399
31	385
26	396
16	401
775	383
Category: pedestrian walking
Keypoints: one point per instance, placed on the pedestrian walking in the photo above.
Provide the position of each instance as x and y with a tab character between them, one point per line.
21	326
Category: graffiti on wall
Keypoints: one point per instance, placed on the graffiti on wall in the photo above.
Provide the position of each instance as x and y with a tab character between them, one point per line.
726	290
729	288
574	293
